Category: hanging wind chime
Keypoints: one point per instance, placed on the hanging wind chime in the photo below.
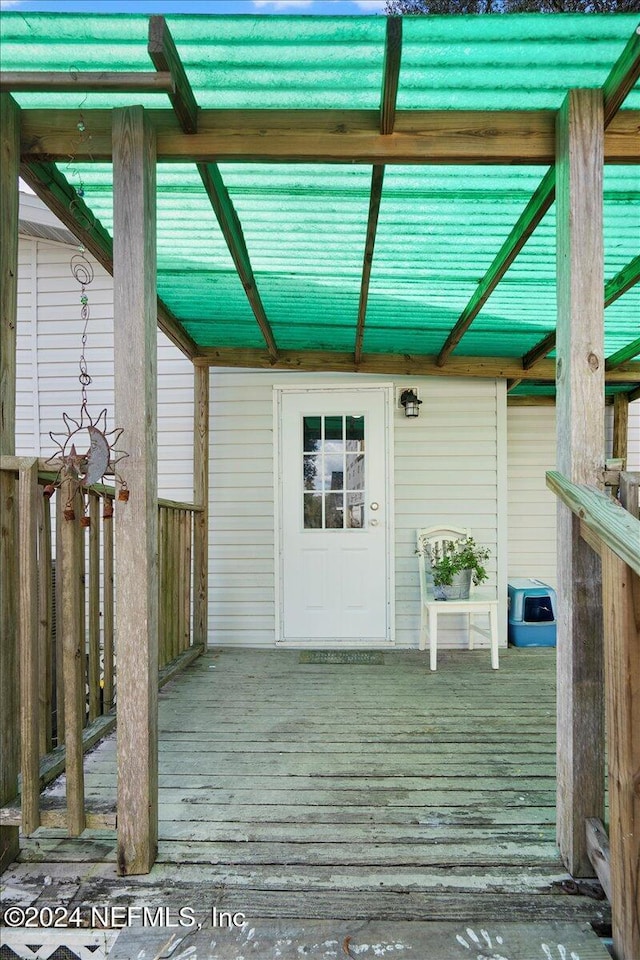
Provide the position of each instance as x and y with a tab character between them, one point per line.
86	450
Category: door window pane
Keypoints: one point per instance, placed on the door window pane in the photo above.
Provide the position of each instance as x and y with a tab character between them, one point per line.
311	433
312	471
334	511
313	511
333	462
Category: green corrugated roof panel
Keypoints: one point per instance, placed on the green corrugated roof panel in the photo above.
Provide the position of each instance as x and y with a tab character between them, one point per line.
305	224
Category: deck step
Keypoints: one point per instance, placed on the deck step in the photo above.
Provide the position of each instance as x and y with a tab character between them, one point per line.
340	939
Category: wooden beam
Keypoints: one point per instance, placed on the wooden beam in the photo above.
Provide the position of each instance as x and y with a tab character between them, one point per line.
451	137
623	281
634	395
9	669
136	520
622	356
599	853
201	498
390	74
540	351
99	81
60	197
608	520
621	590
30	679
402	364
165	57
234	237
620	426
377	180
533	401
622	77
580	455
527	222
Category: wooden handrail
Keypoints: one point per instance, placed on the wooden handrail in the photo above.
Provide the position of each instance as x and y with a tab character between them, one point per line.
611	523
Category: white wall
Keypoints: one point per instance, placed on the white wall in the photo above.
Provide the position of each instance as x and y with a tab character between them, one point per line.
531	449
446	470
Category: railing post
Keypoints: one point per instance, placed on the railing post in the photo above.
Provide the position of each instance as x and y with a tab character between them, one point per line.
136	521
9	718
201	499
580	457
621	586
69	630
28	632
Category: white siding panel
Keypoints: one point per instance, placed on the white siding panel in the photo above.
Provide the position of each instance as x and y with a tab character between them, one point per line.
49	342
26	394
531	451
633	459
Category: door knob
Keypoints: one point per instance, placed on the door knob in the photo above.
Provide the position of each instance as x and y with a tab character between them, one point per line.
374	505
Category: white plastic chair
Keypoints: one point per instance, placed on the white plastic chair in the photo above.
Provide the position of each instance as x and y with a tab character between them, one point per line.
481	603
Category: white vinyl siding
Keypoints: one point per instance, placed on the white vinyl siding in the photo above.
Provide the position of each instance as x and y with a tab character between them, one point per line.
49	343
531	445
445	470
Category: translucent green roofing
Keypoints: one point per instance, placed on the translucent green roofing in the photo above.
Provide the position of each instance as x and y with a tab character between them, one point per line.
305	224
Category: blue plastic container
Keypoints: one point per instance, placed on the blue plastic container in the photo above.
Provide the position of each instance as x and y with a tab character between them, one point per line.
532	613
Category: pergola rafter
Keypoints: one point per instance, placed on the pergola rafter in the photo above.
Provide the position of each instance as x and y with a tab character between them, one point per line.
388	97
622	281
620	81
53	188
163	52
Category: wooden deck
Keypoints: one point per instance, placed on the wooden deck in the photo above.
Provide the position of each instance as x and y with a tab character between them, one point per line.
344	794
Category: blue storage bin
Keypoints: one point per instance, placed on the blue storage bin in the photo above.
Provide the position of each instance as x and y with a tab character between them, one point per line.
532	613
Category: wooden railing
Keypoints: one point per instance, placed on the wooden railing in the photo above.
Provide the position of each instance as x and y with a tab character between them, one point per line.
175	539
614	533
63	573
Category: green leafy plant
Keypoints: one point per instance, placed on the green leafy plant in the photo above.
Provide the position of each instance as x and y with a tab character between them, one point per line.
453	556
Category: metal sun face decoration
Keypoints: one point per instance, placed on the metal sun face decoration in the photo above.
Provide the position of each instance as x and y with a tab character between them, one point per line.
81	470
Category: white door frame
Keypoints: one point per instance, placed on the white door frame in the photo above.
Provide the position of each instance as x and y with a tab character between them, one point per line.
389	393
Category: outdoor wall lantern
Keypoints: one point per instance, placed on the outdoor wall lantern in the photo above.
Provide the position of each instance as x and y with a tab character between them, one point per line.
410	402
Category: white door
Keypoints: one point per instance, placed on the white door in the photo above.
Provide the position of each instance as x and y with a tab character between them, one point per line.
335	515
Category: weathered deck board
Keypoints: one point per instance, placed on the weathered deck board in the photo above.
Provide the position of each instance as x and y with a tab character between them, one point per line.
342	792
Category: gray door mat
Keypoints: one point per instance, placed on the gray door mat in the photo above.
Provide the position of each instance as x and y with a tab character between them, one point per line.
374	657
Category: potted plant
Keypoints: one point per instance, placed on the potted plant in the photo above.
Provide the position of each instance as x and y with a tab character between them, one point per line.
454	564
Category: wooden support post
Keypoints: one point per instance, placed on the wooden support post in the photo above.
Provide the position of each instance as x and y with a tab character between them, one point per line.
580	451
620	426
201	500
136	521
28	634
70	631
9	717
621	587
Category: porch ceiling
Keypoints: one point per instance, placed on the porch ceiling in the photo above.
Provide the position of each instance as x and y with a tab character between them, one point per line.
300	232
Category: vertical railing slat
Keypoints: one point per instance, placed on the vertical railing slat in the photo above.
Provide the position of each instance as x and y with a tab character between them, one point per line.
71	570
188	523
94	607
60	713
108	648
28	644
45	624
